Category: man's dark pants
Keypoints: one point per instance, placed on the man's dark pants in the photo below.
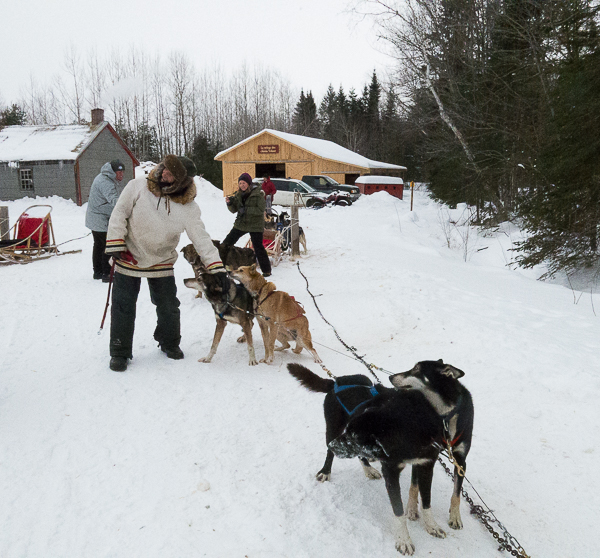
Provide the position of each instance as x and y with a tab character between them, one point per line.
163	294
257	242
100	260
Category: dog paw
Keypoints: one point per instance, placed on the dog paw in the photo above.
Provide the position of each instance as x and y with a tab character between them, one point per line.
205	359
436	531
323	477
372	473
431	526
412	514
266	360
455	520
253	362
455	523
407	548
241	339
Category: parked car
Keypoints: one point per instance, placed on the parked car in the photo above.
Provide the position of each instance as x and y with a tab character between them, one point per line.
286	187
326	184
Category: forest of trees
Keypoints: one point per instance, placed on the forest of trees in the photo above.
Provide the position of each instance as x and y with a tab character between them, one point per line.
493	103
502	98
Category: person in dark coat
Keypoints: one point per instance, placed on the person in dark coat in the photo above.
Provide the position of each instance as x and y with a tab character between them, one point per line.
249	204
104	194
270	190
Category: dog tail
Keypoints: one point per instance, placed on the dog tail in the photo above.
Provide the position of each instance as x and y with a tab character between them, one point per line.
310	380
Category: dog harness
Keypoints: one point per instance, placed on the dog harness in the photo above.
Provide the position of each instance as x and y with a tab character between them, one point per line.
258	303
368	391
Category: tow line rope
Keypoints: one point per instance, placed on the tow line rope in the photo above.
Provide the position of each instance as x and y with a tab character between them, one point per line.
506	541
349	348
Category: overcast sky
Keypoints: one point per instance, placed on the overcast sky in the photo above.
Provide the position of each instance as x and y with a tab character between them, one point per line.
311	42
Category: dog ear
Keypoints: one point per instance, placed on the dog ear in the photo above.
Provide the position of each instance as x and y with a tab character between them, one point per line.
440	361
253	268
380	445
452	372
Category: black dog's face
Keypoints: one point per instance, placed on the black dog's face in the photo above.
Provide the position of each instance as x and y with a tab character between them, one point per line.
213	289
356	442
426	375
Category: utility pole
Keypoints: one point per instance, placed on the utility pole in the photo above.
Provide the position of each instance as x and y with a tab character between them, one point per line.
295	226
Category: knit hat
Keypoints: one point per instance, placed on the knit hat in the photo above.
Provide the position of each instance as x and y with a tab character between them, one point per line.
246	178
189	165
117	165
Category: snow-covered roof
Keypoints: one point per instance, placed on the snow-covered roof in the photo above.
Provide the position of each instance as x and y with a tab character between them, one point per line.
46	143
372	179
322	148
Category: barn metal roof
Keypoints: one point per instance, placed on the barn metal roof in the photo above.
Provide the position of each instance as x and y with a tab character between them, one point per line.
322	148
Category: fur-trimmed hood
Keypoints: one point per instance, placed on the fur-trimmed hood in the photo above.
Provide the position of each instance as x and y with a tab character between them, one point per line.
184	187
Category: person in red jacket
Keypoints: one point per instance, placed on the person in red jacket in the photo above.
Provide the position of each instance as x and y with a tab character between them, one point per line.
269	189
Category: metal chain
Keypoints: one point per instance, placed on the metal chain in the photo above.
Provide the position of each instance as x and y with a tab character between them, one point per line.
486	516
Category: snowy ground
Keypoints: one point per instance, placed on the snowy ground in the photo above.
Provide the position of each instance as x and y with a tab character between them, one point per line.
182	459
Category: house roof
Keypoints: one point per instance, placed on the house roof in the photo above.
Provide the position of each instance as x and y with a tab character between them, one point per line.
46	143
321	148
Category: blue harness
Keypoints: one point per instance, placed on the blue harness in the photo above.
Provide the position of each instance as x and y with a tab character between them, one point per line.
372	390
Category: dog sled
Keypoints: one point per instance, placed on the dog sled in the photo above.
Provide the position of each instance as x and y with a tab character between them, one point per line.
277	236
31	238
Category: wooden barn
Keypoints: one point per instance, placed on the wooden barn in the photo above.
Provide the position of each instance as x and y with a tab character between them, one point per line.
283	155
60	160
370	184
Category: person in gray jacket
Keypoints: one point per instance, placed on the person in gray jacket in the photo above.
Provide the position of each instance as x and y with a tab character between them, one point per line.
104	194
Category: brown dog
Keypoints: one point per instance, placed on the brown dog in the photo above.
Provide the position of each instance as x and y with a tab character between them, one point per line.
231	256
279	315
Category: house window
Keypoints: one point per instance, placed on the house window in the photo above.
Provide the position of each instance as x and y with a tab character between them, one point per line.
26	179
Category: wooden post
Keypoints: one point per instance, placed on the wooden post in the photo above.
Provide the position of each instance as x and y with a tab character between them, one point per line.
4	222
412	190
295	227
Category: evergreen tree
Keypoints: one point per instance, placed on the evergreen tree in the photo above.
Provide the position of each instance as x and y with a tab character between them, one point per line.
143	141
203	154
304	119
562	211
372	100
327	115
12	116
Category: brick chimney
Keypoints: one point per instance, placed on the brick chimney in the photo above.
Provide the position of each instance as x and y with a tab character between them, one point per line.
97	116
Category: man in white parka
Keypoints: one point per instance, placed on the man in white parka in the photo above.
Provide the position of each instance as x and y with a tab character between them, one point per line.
143	234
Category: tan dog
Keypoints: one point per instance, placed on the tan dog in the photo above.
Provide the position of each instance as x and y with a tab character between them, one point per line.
279	315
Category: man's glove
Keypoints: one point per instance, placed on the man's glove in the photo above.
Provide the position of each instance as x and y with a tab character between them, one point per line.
127	256
224	279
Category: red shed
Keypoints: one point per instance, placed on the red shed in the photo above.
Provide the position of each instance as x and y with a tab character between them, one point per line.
369	184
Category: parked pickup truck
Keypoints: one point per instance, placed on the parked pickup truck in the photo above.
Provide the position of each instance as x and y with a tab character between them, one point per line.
327	184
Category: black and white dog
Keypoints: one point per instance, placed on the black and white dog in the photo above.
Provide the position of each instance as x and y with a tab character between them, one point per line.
428	410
